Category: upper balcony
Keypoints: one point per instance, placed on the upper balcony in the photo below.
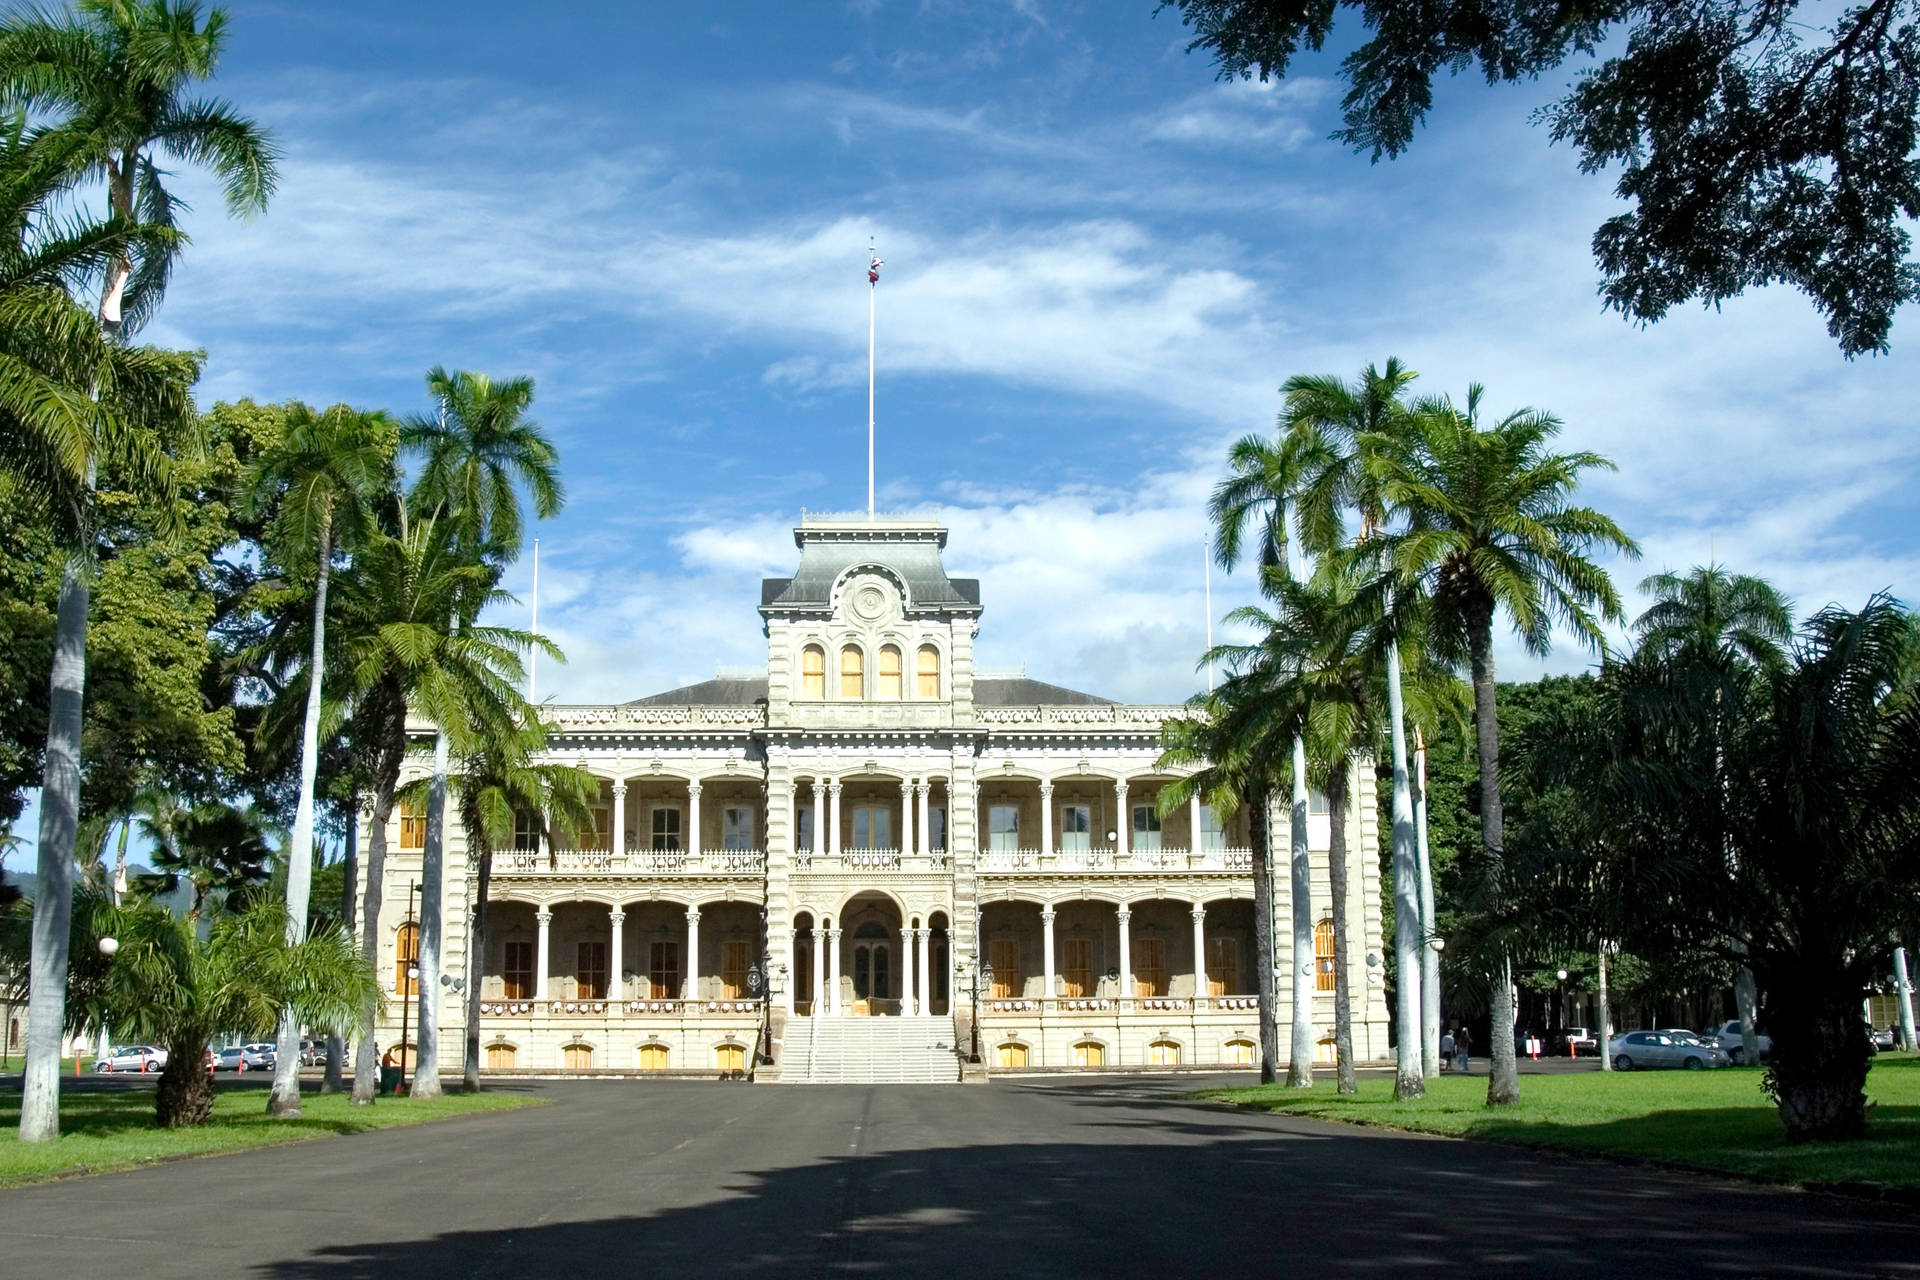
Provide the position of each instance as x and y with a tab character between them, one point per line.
649	862
1158	861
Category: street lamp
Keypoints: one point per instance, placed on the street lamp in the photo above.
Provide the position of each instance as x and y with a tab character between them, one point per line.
980	971
109	945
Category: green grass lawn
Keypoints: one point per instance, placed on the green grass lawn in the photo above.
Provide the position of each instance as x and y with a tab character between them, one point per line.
102	1132
1716	1119
18	1063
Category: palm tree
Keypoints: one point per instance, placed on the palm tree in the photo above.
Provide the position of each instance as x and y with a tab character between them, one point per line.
220	853
1727	626
122	71
1488	529
478	451
114	78
498	779
1258	492
321	482
1330	429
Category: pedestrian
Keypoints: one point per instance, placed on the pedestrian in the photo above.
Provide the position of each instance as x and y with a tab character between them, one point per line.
1463	1050
1446	1049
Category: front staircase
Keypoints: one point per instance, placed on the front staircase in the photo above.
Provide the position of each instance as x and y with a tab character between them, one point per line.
869	1051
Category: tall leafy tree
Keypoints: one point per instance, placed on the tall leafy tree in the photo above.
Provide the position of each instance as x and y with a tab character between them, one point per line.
116	75
323	482
478	452
1489	528
1735	127
1726	625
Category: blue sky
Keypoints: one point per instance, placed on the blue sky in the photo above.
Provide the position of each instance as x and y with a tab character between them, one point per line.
1101	264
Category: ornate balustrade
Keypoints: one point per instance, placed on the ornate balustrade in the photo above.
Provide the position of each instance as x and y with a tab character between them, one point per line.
1110	1005
584	862
1134	861
618	1008
871	860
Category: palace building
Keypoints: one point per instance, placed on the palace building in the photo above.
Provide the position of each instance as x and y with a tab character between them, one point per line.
825	867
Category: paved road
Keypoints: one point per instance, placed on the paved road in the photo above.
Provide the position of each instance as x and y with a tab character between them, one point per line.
1084	1177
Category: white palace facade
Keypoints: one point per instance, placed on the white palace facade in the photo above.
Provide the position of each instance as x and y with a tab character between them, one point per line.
809	873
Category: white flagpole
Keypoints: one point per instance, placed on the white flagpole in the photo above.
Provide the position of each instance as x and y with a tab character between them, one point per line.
1206	563
873	288
533	657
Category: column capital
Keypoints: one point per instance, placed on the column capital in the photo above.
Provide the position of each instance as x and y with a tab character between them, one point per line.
619	787
1046	787
1120	785
922	787
1123	914
693	786
617	916
834	785
1198	913
1048	915
543	916
693	915
833	935
817	932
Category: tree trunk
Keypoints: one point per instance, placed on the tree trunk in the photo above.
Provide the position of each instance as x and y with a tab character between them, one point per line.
1821	1052
482	848
1337	882
1429	929
1300	908
335	1078
185	1095
284	1098
1603	1016
366	1053
1903	999
53	890
1409	1076
1259	815
433	861
1503	1073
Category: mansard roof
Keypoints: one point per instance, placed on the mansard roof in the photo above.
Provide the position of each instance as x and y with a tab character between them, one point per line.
907	549
1018	691
725	691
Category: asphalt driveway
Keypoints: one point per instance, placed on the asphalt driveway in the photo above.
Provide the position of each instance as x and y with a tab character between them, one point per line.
1117	1176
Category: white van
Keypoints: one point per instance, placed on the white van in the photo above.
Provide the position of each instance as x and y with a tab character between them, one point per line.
1729	1039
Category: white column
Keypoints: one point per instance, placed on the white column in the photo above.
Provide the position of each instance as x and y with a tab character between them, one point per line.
924	973
925	828
619	819
616	989
819	972
693	820
833	966
1046	831
544	919
907	1005
1126	953
814	842
1199	953
906	817
833	823
1046	947
1123	824
1194	840
692	990
788	792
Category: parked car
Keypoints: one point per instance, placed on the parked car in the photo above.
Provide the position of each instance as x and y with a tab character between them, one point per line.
132	1057
1580	1040
1727	1037
1658	1049
266	1051
1688	1037
244	1057
311	1054
1884	1039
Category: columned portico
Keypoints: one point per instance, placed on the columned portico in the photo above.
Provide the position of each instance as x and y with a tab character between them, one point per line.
692	991
1047	917
543	918
909	1005
1125	917
616	951
1199	951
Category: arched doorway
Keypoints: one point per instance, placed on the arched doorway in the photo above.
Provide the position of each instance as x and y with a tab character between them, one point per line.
873	968
870	962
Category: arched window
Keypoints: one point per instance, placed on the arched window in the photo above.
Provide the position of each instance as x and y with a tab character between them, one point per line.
413	824
813	672
653	1057
890	686
927	681
1323	956
500	1057
1163	1053
1011	1056
578	1057
1089	1053
853	673
730	1057
1241	1053
406	950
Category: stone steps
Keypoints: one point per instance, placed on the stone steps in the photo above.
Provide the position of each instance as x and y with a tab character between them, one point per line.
870	1051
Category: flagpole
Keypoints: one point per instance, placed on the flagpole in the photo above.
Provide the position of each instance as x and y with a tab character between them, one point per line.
533	656
1206	563
873	288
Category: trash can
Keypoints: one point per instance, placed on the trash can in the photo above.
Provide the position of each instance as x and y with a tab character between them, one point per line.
389	1080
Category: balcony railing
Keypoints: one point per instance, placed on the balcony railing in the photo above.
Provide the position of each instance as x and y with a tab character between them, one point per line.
575	862
871	860
1068	861
618	1008
1057	1005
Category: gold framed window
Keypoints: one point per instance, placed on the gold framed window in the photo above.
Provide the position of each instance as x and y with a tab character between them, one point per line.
1149	966
577	1057
890	682
406	951
1004	955
413	824
1323	956
733	970
517	972
1089	1053
1223	966
653	1057
927	672
813	672
1077	969
853	673
730	1057
1010	1056
500	1057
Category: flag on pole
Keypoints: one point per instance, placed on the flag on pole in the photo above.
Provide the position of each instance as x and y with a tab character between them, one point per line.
873	269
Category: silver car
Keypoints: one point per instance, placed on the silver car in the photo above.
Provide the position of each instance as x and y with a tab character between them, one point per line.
1660	1049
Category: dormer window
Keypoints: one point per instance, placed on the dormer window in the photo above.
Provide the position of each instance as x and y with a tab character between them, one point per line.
853	673
890	683
813	672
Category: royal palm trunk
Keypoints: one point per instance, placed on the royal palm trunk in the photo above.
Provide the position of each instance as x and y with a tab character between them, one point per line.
335	1078
426	1074
1429	958
184	1097
476	957
1409	1079
1337	882
1821	1051
1503	1074
284	1099
1300	909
